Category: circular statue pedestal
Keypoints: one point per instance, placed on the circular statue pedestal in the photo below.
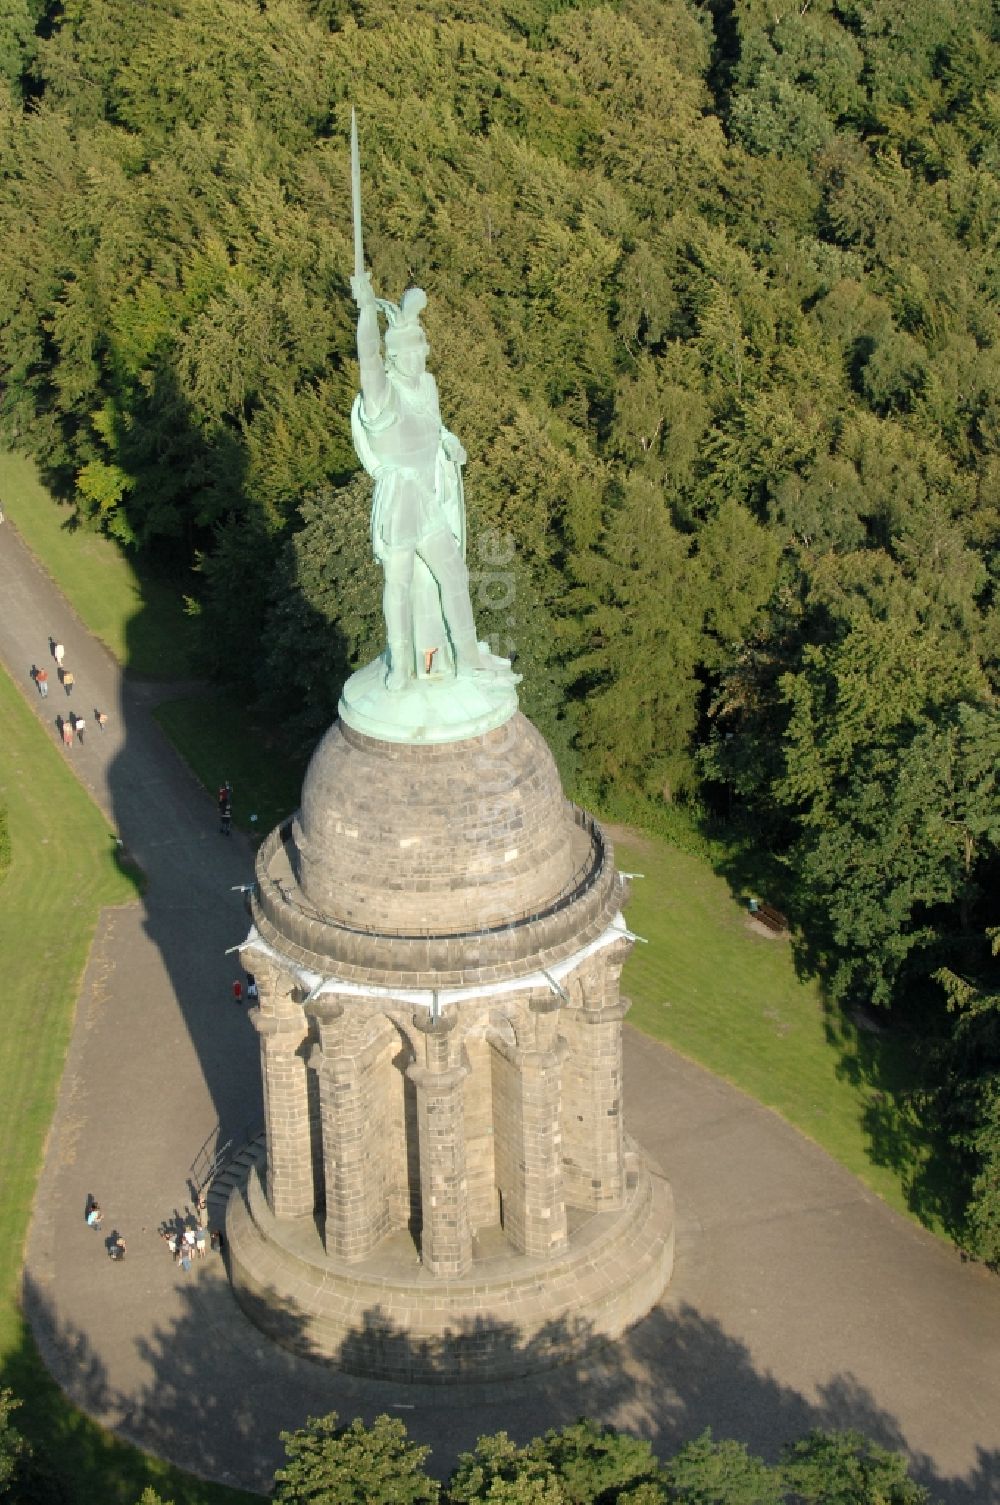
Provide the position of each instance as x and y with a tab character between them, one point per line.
510	1316
432	708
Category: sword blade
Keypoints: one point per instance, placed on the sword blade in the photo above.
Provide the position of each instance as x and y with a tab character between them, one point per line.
359	250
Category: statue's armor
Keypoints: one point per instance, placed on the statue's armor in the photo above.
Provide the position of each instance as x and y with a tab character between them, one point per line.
404	440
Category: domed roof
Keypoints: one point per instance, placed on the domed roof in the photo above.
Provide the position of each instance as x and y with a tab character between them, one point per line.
434	865
451	838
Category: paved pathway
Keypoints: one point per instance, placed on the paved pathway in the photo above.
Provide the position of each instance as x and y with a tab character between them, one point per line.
799	1299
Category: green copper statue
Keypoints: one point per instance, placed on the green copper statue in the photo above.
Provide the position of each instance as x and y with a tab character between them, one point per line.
418	507
434	682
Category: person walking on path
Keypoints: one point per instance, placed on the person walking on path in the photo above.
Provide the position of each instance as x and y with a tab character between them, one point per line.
58	653
101	717
68	681
79	726
67	733
94	1213
42	681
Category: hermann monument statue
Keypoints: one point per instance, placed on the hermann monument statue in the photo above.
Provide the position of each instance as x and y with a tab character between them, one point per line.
417	528
444	1188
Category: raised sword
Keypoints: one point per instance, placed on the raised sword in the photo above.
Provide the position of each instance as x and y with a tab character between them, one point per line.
359	250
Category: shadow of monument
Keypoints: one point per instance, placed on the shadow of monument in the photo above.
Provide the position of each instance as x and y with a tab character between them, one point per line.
204	1406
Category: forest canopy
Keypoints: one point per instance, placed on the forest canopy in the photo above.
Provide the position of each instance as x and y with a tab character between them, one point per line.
713	308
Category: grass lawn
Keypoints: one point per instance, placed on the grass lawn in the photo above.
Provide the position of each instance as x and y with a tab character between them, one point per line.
714	987
63	871
140	619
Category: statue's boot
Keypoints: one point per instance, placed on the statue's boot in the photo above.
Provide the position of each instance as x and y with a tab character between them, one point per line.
474	658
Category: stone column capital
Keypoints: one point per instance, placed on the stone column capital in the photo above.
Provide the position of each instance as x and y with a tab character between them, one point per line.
431	1024
545	1003
326	1009
274	1026
605	1013
429	1080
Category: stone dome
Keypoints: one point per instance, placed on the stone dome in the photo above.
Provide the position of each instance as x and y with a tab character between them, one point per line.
434	865
436	840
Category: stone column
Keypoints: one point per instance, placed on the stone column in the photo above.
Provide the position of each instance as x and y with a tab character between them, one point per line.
283	1029
541	1098
593	1125
356	1206
534	1202
446	1234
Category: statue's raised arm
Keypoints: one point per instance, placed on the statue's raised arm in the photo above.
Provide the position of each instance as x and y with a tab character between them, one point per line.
373	378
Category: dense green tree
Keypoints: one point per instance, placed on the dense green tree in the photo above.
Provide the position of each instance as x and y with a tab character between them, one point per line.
890	776
330	1464
14	1450
846	1468
500	1472
582	1464
18	22
706	1472
639	605
965	1100
323	608
597	1465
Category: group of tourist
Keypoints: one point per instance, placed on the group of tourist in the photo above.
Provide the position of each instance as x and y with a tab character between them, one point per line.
73	726
188	1239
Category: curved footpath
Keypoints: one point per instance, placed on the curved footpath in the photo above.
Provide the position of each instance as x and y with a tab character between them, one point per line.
798	1300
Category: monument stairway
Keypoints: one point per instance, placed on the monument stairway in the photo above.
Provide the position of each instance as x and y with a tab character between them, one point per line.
228	1168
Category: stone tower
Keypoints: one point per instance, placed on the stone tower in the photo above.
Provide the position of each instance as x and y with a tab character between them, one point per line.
446	1189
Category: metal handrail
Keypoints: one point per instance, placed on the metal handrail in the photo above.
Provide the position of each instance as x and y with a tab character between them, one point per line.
206	1166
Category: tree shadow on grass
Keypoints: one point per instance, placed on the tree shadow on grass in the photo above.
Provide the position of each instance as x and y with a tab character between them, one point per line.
882	1058
884	1063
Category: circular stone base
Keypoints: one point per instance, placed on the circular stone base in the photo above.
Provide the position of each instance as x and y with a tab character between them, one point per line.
431	708
387	1318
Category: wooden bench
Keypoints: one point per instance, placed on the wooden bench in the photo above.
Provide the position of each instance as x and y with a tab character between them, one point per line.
770	917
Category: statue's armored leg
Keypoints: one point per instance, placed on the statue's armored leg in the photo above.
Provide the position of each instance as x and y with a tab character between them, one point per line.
398	571
443	558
